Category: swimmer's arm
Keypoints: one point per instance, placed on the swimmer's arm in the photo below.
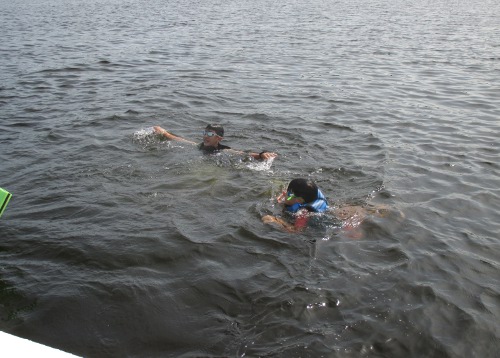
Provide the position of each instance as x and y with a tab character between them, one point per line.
269	219
299	224
257	156
170	136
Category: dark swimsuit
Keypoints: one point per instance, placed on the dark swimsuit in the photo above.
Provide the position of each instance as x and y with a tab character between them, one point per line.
211	150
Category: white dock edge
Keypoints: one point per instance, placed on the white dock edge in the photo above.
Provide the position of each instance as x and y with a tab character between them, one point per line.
13	347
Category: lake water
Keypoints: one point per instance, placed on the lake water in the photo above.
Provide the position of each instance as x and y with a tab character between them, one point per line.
119	244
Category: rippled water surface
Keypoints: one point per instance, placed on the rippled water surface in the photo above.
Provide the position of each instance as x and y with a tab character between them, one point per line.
119	244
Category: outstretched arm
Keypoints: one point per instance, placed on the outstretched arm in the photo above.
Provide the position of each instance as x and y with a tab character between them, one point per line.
299	224
269	219
170	136
257	156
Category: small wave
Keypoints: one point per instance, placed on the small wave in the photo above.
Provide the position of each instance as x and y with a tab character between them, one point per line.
260	166
145	137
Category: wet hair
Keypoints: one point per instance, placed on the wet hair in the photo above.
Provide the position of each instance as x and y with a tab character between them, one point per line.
217	128
304	188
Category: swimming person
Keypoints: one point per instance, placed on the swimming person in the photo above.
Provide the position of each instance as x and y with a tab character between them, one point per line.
301	198
212	136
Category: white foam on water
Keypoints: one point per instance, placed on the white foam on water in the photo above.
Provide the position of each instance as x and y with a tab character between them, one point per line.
261	166
144	133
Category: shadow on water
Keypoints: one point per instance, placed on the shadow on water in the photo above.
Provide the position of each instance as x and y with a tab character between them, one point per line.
13	304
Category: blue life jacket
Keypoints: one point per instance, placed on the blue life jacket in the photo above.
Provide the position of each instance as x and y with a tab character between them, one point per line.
318	206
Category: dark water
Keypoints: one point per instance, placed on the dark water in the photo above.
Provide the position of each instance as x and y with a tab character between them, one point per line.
117	244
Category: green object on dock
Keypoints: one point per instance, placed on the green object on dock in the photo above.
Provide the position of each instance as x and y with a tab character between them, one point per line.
4	200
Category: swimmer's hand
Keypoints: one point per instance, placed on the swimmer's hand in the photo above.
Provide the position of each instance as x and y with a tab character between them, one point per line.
268	219
281	199
264	155
160	130
267	155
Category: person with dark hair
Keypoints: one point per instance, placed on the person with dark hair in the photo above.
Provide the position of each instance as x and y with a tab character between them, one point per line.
304	194
301	198
212	136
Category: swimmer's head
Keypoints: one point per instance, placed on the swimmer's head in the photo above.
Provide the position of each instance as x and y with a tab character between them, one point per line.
305	189
217	128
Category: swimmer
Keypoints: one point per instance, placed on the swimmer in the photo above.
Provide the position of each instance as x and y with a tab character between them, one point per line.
212	136
301	198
